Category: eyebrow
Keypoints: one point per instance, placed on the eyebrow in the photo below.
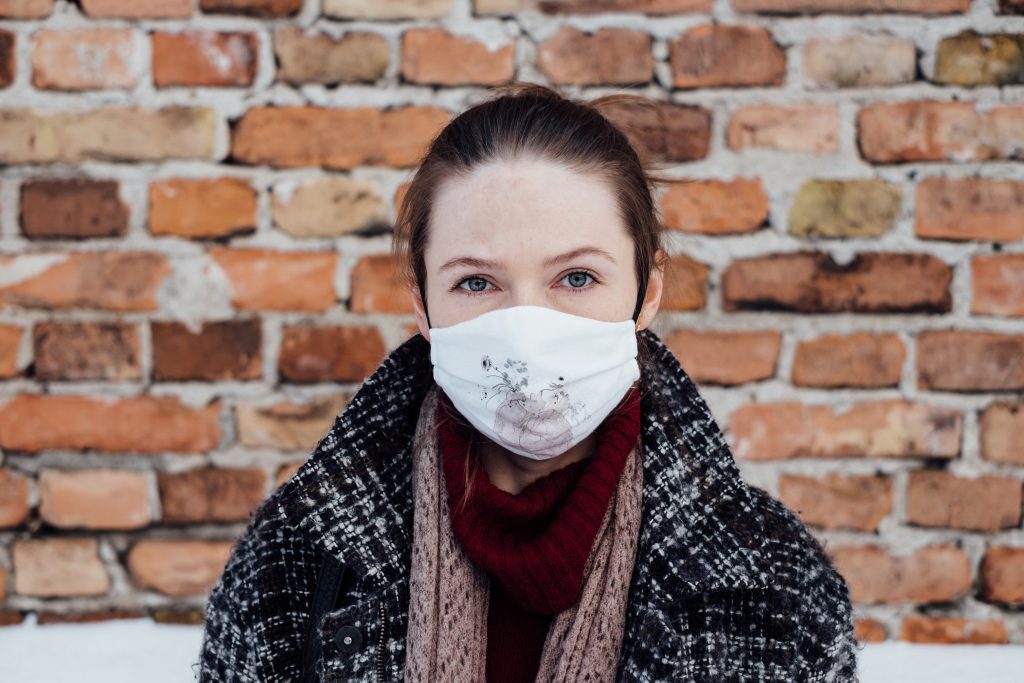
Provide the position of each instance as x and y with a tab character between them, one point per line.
554	260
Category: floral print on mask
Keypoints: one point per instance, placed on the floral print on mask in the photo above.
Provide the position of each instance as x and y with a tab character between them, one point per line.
540	422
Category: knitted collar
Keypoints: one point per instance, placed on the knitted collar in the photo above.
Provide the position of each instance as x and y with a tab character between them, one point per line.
699	529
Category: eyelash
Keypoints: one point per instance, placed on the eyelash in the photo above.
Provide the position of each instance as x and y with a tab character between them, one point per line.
574	290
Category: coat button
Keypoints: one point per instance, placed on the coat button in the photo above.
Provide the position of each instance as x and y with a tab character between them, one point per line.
348	638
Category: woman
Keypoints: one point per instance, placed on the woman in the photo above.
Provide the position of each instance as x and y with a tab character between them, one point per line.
531	488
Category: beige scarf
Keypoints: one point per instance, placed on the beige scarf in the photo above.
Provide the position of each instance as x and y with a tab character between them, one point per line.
447	636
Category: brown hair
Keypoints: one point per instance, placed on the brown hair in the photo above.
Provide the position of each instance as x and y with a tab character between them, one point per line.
530	119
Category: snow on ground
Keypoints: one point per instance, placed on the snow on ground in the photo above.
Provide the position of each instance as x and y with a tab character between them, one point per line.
131	650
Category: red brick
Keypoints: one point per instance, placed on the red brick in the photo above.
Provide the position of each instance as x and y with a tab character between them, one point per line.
138	9
930	574
264	279
254	8
726	357
178	568
717	55
812	282
970	59
357	56
433	56
685	284
869	630
860	360
378	286
859	60
10	345
203	208
329	206
877	429
14	507
113	281
26	9
939	131
204	58
803	128
655	7
94	499
90	617
389	9
851	6
612	56
662	131
86	351
59	567
336	138
1011	6
113	133
211	495
72	208
8	58
330	354
953	630
838	501
288	426
225	350
715	207
970	209
1002	576
143	424
941	499
967	360
997	284
1001	426
844	208
85	58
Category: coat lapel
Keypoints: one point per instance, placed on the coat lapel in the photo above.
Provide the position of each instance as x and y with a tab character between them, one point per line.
699	531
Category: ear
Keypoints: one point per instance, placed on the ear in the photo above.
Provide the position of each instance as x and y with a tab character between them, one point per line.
652	297
421	316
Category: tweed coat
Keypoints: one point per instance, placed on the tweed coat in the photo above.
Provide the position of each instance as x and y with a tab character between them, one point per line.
727	584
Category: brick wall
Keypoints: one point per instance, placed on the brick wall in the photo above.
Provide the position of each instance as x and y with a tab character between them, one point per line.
195	200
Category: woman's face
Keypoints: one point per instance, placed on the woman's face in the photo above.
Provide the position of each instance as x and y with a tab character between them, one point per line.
529	232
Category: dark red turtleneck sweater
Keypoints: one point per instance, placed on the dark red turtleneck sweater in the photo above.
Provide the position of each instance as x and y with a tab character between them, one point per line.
534	544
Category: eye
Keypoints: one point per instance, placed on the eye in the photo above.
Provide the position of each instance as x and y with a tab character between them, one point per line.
578	280
477	285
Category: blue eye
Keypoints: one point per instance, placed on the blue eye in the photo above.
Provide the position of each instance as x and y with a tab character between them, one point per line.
478	285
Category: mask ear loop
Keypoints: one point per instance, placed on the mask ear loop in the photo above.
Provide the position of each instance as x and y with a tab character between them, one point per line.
635	316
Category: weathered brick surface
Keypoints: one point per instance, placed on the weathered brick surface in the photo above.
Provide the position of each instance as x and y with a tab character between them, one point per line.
197	200
880	429
358	56
716	207
202	208
94	499
936	573
718	55
812	282
985	503
838	501
954	630
803	128
227	350
714	357
607	56
858	360
433	56
963	360
72	208
86	351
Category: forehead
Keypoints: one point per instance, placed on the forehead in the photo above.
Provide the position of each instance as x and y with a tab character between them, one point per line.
524	201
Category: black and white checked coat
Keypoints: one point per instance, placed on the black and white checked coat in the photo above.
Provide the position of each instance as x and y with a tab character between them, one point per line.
728	585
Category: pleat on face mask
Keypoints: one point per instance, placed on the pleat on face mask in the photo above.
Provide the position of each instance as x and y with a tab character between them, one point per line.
533	379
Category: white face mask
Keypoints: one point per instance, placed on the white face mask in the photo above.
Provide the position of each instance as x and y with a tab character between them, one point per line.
535	380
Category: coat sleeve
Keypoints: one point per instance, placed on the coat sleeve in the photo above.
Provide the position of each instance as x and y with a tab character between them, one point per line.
826	649
227	652
256	616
